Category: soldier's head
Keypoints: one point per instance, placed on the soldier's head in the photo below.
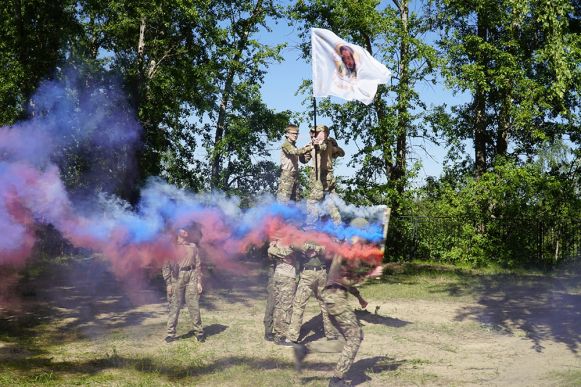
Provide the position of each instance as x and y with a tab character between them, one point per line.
320	132
182	235
195	232
292	132
190	234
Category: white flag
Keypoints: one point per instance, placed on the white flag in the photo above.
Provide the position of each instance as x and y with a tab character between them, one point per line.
344	70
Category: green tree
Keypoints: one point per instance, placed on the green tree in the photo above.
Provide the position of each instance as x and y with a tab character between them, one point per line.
241	124
162	52
33	34
519	61
192	72
393	35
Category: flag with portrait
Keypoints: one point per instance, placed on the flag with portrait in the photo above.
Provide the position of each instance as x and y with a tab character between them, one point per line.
344	70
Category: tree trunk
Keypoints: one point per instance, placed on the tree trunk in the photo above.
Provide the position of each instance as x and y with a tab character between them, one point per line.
480	112
379	106
504	125
244	27
403	99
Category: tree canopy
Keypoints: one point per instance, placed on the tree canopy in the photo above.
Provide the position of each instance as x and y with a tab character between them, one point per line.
192	71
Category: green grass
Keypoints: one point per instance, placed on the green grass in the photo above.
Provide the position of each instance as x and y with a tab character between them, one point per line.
571	377
421	283
36	351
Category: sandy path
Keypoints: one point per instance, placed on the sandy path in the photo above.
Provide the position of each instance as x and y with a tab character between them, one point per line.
516	332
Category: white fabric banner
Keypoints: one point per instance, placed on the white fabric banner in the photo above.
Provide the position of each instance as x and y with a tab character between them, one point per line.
344	70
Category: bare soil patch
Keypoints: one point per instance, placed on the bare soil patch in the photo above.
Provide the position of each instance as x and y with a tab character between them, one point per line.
77	325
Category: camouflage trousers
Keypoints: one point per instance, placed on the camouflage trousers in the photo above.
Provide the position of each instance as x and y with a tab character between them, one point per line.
312	282
288	187
284	292
269	311
344	319
185	290
168	293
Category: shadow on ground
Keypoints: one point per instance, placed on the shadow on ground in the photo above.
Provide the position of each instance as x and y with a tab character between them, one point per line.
210	330
379	319
360	372
78	299
63	369
362	369
87	300
546	308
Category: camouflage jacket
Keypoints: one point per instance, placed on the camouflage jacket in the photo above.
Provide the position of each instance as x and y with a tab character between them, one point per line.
290	156
189	257
326	153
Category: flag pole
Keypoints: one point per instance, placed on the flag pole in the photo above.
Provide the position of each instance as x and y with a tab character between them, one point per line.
315	128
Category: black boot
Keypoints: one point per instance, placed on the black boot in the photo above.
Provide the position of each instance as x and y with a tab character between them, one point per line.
268	336
201	337
283	341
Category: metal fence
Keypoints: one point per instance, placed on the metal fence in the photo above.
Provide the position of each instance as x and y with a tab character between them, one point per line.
506	241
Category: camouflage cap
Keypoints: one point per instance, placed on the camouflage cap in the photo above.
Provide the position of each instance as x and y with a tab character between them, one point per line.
359	223
320	128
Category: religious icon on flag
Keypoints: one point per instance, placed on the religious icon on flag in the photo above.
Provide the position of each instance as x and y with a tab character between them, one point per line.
344	70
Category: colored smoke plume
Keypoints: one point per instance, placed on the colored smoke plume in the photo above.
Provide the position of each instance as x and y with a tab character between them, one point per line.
96	122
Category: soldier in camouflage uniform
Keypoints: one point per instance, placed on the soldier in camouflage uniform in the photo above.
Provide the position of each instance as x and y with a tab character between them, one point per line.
187	283
290	155
322	180
343	274
288	189
312	280
284	286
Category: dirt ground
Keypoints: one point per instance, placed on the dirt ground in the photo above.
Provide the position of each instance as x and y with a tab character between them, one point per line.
78	326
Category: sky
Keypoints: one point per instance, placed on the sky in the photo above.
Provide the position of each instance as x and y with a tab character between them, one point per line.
283	80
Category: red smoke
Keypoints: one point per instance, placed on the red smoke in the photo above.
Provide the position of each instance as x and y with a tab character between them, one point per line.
288	234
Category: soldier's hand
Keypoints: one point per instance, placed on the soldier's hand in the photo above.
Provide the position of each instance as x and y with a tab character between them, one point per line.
170	290
363	303
377	272
200	288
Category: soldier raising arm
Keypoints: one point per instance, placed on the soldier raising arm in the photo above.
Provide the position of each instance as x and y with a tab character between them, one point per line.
290	155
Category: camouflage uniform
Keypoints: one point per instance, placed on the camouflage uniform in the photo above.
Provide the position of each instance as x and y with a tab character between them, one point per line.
268	313
322	180
341	278
313	279
342	315
290	155
186	289
284	286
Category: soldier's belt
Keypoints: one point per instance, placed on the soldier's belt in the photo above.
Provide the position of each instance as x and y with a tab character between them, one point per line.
186	268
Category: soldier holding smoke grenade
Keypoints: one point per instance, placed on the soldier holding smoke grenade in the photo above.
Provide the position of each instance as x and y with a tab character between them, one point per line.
342	276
